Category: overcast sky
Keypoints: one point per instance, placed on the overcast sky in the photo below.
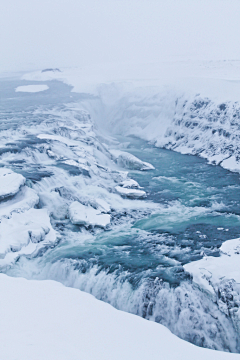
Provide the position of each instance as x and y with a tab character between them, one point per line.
36	34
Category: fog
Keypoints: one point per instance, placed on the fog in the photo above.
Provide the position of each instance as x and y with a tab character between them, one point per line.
35	34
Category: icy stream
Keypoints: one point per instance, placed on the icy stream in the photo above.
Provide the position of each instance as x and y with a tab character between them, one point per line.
132	256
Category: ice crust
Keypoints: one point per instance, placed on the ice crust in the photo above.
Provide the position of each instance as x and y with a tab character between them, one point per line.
132	193
10	182
30	226
86	215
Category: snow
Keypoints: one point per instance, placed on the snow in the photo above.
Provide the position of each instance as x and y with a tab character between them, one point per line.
50	321
130	184
87	215
22	228
214	269
132	193
220	278
130	161
31	88
190	106
25	199
10	182
102	205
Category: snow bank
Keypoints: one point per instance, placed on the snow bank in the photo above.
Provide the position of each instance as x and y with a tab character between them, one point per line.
86	215
31	88
50	321
10	182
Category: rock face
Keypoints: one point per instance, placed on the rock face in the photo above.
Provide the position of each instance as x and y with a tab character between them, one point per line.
220	278
86	215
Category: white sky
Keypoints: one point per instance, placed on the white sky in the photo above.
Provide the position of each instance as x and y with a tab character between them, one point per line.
57	33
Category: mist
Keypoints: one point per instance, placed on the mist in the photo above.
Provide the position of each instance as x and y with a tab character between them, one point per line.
36	34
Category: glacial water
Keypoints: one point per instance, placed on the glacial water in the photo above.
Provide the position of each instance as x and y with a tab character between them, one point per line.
136	264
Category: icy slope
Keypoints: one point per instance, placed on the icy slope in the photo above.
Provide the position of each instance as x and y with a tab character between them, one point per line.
50	321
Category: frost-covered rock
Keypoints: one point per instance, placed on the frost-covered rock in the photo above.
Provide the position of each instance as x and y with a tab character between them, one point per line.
220	278
32	226
130	184
131	193
130	161
130	188
86	215
25	199
10	182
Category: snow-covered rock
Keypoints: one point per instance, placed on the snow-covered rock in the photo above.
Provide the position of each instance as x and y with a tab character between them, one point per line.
131	193
130	184
32	226
130	161
10	182
220	278
25	199
86	215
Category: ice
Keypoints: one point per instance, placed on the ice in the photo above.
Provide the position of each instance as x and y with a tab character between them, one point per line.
22	228
219	276
130	161
102	205
130	184
31	88
10	182
25	199
132	193
87	215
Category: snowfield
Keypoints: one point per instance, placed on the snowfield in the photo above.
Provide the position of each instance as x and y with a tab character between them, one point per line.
44	320
31	88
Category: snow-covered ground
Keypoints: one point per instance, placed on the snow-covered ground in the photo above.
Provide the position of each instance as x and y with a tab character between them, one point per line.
31	88
44	320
